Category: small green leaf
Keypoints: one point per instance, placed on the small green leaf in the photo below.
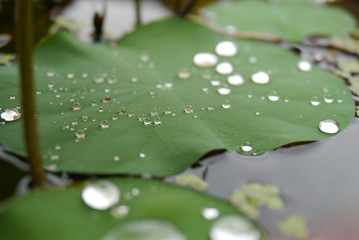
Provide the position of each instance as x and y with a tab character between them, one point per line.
126	110
291	20
145	205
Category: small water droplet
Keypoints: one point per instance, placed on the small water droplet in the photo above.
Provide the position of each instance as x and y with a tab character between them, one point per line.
122	111
340	99
206	75
224	91
232	227
147	121
260	78
214	83
183	74
144	57
142	155
94	103
141	117
226	49
304	66
328	98
168	111
224	68
99	79
188	109
235	80
252	59
104	124
157	121
246	147
54	157
210	107
130	114
315	101
106	99
84	75
226	104
329	126
51	73
112	80
154	112
120	211
273	96
205	59
12	97
70	75
80	133
116	158
38	92
101	110
51	85
100	195
210	213
10	114
114	117
135	192
65	126
76	106
84	117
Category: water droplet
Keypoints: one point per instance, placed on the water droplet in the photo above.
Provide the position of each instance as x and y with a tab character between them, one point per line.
122	111
80	133
226	49
147	121
205	60
142	155
101	110
94	103
154	112
224	91
315	101
114	117
328	98
54	157
135	192
70	75
305	66
157	121
210	213
329	126
130	114
74	122
273	96
51	85
260	78
252	59
76	106
112	80
100	195
99	79
104	124
145	58
224	68
84	75
214	83
51	73
206	75
246	147
168	111
183	74
188	109
233	227
340	99
235	80
120	212
141	117
84	117
226	104
57	147
38	92
12	97
116	158
147	229
106	99
66	125
11	114
210	107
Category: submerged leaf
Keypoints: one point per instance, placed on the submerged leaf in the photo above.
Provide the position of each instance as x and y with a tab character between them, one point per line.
294	226
291	20
146	108
193	181
148	209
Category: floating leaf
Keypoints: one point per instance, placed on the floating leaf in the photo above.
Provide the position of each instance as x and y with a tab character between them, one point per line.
146	108
290	20
294	226
349	66
151	207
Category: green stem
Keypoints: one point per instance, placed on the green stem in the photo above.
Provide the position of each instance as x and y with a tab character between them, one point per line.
138	13
25	44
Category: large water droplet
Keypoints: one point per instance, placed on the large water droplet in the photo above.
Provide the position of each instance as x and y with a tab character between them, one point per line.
11	114
329	126
188	109
147	229
273	96
205	60
260	78
328	97
147	121
224	68
226	49
210	213
157	121
233	227
224	91
142	155
315	101
101	195
120	211
235	80
246	147
305	66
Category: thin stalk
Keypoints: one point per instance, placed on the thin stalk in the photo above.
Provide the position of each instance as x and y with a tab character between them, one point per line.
138	13
188	8
25	44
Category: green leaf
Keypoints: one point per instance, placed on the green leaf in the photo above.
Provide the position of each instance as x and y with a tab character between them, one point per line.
61	213
291	20
166	47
